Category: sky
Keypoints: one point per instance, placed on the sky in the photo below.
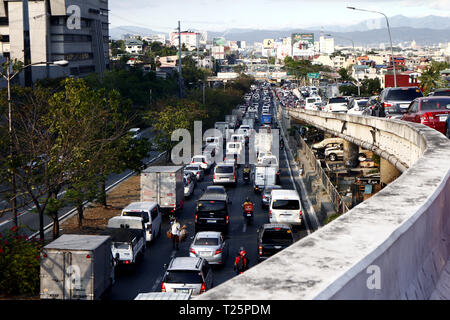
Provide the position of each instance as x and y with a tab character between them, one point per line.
219	15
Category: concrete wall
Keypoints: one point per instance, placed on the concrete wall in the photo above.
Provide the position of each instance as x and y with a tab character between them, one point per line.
392	246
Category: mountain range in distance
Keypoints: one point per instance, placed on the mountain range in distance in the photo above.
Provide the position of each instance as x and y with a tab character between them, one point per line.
427	30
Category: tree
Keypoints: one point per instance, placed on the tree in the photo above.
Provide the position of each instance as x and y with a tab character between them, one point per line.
345	76
431	77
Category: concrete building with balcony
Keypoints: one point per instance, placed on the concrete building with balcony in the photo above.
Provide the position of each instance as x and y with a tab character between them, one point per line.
133	46
72	30
190	39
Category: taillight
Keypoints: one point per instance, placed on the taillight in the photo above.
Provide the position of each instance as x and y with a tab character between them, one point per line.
127	262
387	105
150	228
88	257
426	117
264	197
163	287
270	214
260	250
300	214
192	251
214	176
218	251
196	218
203	288
227	219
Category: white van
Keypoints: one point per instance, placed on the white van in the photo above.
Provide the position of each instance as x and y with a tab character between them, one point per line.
149	211
285	207
234	148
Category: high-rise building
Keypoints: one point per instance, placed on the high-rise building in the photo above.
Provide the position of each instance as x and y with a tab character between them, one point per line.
326	45
72	30
190	39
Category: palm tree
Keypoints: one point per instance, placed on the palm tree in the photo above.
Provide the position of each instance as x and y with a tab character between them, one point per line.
431	77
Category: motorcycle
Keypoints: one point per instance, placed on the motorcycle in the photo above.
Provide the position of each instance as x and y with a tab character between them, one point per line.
246	177
248	213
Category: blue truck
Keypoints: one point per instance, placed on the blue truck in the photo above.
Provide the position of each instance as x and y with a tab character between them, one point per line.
266	118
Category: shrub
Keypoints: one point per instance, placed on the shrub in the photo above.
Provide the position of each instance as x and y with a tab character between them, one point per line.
19	263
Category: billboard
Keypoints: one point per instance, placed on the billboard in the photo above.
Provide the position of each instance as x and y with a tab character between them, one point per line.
268	43
218	41
302	44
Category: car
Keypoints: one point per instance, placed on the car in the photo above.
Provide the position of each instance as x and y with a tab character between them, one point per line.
188	186
187	275
235	148
310	103
225	173
440	92
195	169
357	106
266	195
432	111
211	246
151	215
335	152
285	207
203	161
272	238
396	101
337	104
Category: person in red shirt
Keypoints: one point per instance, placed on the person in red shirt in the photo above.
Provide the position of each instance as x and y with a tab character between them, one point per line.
241	262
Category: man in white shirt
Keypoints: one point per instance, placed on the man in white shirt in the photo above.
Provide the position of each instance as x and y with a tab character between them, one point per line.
175	231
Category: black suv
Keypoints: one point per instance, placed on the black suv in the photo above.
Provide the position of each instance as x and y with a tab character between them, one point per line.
272	238
211	213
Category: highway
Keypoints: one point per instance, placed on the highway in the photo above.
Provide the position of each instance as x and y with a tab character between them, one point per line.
146	275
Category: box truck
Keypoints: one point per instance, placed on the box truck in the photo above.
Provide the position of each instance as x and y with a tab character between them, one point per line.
163	185
77	267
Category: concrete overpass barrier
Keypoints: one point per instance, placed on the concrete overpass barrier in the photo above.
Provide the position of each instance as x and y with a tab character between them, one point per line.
395	245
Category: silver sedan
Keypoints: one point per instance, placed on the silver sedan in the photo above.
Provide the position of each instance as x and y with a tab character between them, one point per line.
211	246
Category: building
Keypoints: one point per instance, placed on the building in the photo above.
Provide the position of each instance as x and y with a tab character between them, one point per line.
81	36
326	45
190	39
133	46
155	38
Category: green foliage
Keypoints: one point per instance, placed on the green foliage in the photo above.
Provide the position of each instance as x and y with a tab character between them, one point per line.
331	218
431	77
345	75
19	264
348	90
301	68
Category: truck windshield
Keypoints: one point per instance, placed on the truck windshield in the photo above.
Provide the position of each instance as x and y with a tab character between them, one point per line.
272	236
282	204
183	276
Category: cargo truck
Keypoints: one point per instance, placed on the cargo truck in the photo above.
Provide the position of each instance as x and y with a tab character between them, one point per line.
163	185
264	176
77	267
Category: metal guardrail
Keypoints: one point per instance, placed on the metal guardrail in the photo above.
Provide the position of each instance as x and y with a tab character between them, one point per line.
335	196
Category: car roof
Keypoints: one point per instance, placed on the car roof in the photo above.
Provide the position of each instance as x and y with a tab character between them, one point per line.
185	263
208	234
289	193
145	205
433	98
213	197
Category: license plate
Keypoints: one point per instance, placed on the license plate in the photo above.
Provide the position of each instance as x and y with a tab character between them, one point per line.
212	221
206	253
443	118
404	106
277	247
182	290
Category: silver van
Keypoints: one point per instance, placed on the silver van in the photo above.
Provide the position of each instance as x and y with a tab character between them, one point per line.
149	211
225	173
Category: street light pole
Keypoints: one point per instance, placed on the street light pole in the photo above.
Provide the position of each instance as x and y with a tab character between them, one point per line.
390	39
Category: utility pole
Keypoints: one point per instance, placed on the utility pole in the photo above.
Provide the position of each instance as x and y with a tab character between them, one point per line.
26	44
180	77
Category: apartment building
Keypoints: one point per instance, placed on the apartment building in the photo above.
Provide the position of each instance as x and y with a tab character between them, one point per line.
72	30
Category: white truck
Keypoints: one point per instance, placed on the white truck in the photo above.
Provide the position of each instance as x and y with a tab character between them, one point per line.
224	128
264	176
163	185
77	267
128	238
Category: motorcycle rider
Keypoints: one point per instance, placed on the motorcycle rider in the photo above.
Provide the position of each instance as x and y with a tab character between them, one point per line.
241	261
248	207
246	172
